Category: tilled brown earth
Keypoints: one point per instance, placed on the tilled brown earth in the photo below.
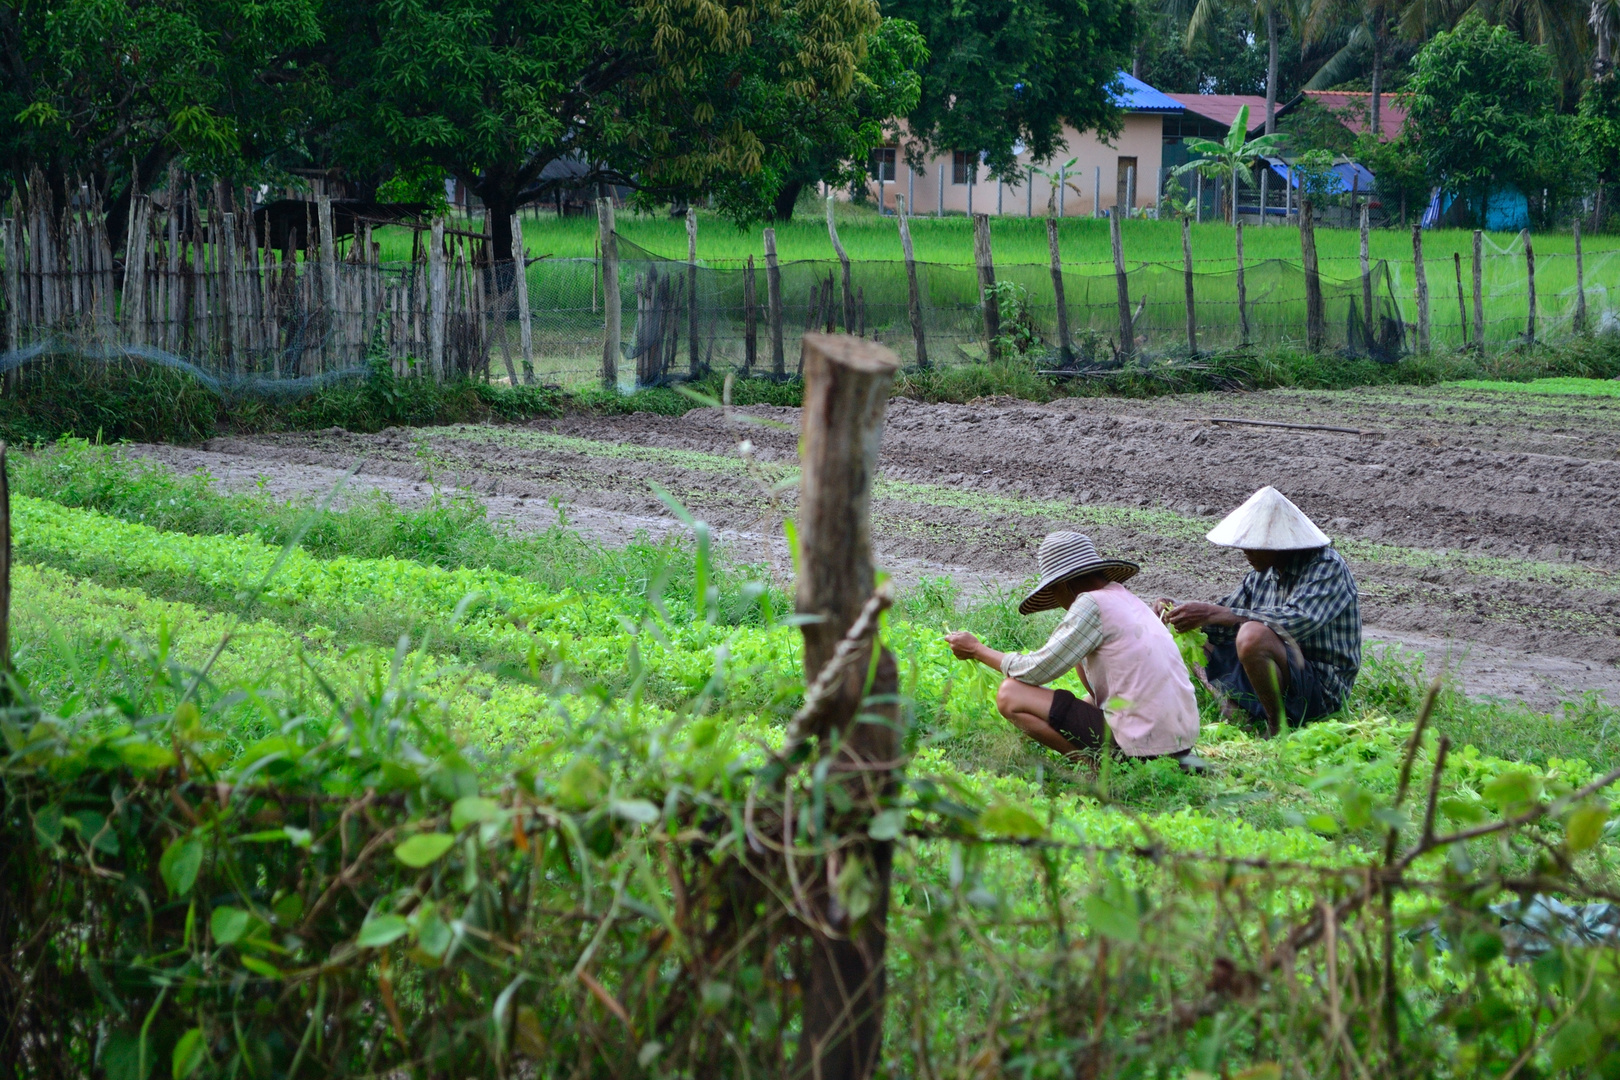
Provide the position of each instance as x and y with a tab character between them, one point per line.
1469	539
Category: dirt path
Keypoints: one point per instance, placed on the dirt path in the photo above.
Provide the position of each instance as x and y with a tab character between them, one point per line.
1466	544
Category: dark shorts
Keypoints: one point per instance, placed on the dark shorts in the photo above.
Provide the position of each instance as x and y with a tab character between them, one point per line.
1306	698
1083	724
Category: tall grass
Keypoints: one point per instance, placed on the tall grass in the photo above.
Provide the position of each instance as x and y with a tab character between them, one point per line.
868	237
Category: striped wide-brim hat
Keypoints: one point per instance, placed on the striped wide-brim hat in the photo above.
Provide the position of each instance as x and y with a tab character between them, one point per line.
1065	555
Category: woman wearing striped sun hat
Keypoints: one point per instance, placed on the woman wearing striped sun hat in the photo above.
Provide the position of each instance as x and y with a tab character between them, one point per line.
1137	685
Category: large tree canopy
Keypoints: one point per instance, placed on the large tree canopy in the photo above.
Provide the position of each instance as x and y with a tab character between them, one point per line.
495	91
1005	73
92	89
807	139
1484	114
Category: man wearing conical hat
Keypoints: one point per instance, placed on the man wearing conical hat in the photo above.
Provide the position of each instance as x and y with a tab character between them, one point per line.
1286	646
1136	682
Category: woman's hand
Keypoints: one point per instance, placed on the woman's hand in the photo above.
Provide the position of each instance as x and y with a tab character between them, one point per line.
964	646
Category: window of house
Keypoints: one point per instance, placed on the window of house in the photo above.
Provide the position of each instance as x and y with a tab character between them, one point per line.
882	163
964	166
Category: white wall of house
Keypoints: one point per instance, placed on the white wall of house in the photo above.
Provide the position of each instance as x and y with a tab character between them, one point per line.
942	186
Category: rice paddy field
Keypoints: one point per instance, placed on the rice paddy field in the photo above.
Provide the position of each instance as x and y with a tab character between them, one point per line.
566	296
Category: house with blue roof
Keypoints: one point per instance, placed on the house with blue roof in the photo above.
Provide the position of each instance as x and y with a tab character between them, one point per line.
1123	171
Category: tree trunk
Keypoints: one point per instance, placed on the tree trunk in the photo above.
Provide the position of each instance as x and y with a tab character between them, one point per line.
1271	74
1377	82
786	199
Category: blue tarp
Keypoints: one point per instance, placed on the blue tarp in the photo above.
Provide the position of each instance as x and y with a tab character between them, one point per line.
1134	95
1507	210
1351	175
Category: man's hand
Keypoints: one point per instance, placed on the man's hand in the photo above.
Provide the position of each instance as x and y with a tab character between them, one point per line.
964	646
1194	613
1162	606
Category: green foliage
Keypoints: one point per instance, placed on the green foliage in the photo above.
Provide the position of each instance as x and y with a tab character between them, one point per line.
1002	73
806	139
354	874
495	93
92	89
1313	172
1483	113
1310	125
1598	128
1019	335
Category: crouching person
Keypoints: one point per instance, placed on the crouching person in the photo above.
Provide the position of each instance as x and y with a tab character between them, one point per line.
1137	685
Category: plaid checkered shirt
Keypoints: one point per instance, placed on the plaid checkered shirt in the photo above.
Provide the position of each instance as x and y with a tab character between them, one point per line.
1314	602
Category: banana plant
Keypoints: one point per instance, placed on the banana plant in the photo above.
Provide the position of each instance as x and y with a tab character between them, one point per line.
1059	177
1235	154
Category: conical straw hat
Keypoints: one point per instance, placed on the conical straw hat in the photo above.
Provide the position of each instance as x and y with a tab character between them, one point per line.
1268	522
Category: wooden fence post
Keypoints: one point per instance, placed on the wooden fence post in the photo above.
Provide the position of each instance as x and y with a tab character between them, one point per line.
613	316
773	306
913	293
750	321
843	262
1422	281
436	300
1187	278
329	283
846	389
694	365
1127	335
520	283
1530	282
1366	286
13	257
1462	309
987	284
1580	283
1479	298
1242	285
1315	316
1065	343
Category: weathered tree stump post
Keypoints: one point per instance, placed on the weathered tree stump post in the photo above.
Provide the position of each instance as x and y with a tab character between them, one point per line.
1315	316
1580	283
1479	296
846	389
1065	342
987	284
913	293
773	306
1421	279
1187	277
750	321
1127	334
613	316
520	280
843	263
1530	284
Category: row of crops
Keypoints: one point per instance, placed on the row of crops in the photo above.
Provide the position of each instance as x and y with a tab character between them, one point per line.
330	814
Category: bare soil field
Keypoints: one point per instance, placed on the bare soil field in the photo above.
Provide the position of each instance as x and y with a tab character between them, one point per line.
1484	528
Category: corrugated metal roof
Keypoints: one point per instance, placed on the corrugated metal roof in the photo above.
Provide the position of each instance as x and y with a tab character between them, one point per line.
1223	108
1134	95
